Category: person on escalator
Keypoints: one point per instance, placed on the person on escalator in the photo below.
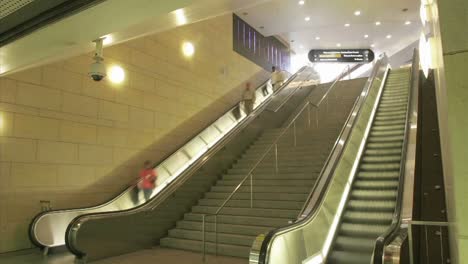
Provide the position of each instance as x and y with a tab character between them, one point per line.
277	78
148	180
248	97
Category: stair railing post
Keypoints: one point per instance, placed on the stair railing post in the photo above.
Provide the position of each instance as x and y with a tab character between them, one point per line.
317	117
308	114
276	158
216	234
294	127
203	237
251	190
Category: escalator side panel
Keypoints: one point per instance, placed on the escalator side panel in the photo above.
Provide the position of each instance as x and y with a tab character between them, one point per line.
370	206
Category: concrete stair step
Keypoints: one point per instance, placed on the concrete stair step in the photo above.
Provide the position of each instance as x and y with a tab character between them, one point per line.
193	245
266	204
256	212
268	182
263	189
249	230
279	176
239	220
230	239
299	197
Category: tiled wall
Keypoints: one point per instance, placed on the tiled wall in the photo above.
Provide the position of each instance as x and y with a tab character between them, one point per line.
452	98
76	142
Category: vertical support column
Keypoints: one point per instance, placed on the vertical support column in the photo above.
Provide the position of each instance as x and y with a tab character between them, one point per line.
276	158
317	117
203	237
216	234
251	190
295	140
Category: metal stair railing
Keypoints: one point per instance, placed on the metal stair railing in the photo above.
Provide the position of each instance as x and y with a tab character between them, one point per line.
274	146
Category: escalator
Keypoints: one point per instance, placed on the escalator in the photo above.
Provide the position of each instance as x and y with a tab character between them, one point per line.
369	211
356	204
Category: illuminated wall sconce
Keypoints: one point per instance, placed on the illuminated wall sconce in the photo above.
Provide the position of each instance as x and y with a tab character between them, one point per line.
188	49
180	17
116	74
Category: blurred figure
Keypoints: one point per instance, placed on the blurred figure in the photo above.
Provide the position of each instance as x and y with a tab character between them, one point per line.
248	97
277	78
148	180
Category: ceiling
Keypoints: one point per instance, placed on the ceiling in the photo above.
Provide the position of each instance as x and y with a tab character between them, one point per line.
286	18
74	35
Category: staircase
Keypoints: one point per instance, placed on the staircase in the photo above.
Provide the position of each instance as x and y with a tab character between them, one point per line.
278	198
369	210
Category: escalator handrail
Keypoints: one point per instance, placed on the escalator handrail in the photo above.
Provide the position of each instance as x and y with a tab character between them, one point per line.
32	225
75	224
393	229
319	189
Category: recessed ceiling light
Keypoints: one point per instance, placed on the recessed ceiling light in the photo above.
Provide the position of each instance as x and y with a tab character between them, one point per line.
372	45
366	36
407	22
317	38
389	36
302	2
338	44
357	13
307	18
347	25
378	23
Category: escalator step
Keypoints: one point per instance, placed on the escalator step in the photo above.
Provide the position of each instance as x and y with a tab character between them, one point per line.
380	167
345	257
378	175
385	152
361	230
387	128
368	217
354	244
391	145
381	158
375	206
367	184
373	139
382	195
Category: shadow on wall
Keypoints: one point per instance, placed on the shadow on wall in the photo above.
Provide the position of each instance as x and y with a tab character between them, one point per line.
126	173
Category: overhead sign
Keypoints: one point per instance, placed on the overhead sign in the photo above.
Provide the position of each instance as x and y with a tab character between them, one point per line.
342	55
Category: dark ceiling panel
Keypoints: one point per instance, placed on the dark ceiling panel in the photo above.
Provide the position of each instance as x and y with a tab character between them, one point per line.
21	17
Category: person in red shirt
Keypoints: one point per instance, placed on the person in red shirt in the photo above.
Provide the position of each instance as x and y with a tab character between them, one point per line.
148	180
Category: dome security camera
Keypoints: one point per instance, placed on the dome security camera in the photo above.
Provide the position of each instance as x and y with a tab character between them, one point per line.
98	69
